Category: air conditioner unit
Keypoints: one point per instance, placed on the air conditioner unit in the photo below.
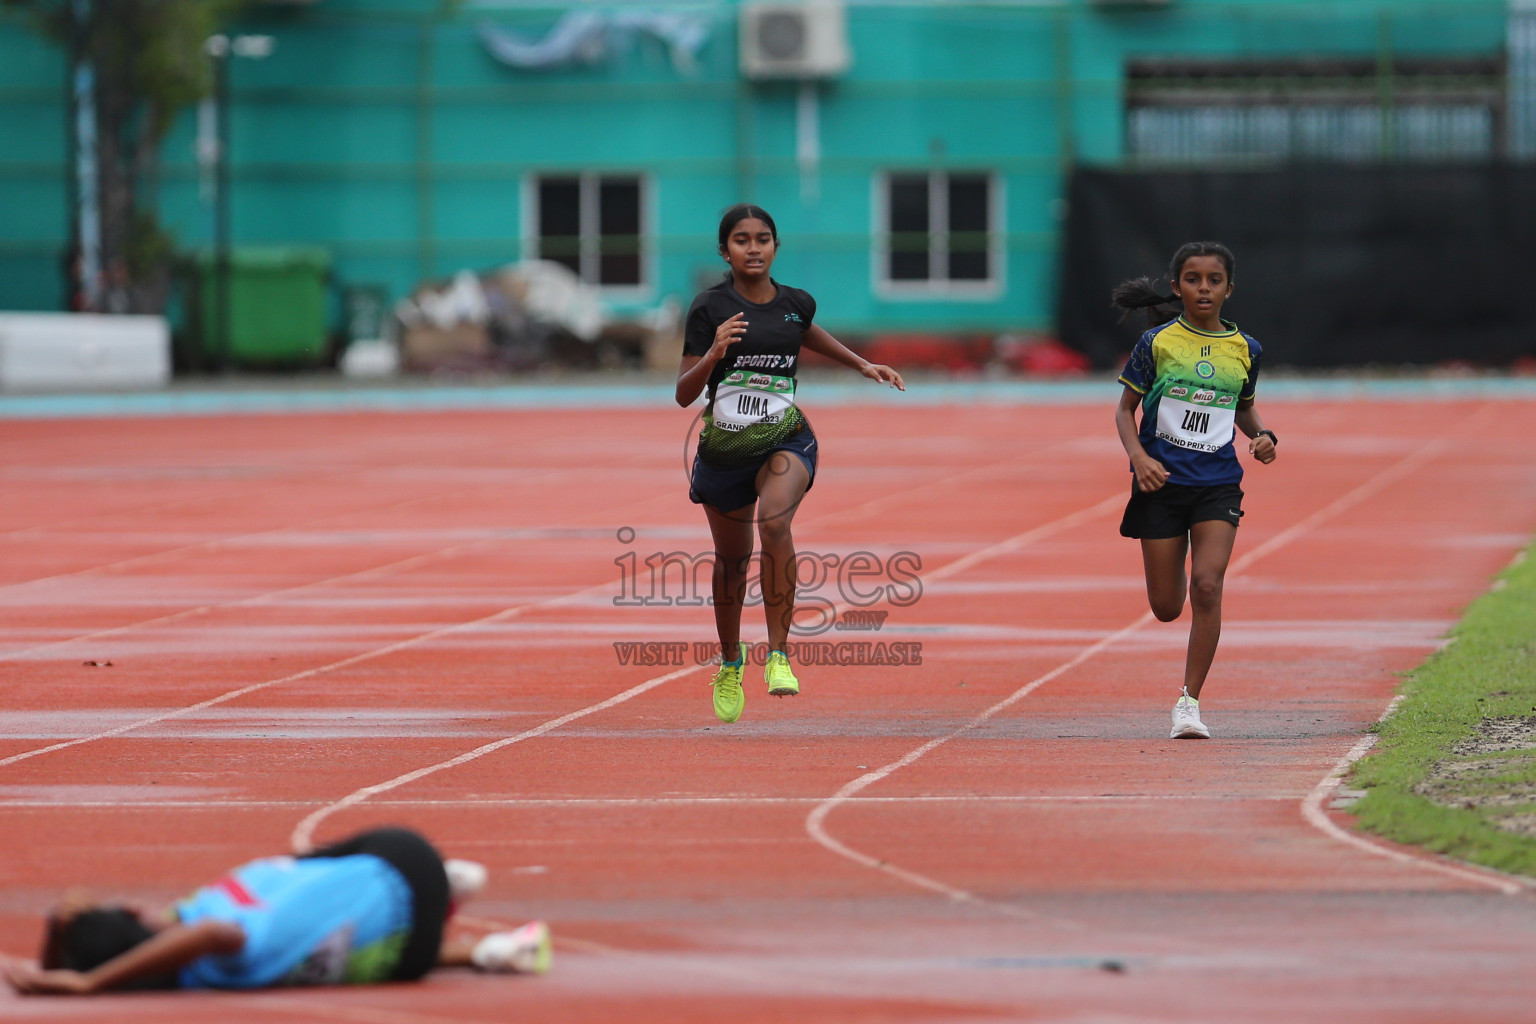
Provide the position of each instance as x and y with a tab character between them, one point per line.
794	40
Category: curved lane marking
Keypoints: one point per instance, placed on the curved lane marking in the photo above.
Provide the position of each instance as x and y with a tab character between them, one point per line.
815	822
303	834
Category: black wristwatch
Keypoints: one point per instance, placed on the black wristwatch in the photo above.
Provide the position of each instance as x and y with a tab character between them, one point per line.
1272	438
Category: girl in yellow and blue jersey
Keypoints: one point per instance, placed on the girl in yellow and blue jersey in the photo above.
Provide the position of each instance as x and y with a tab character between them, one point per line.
1194	378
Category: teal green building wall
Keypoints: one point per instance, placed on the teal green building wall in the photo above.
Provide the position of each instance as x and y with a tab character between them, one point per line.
386	133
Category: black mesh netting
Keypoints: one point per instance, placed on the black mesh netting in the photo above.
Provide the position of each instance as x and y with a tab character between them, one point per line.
1336	266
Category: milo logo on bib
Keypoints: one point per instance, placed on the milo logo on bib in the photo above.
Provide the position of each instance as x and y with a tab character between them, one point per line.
743	400
1202	424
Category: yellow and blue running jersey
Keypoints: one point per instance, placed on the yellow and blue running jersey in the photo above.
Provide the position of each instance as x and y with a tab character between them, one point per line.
1190	382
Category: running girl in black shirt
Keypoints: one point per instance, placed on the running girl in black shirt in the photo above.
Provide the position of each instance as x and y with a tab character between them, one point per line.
742	341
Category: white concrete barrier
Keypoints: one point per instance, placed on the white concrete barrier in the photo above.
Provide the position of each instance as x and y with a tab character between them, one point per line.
68	351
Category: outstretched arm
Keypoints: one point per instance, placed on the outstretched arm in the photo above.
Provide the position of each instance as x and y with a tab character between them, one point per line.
819	341
169	951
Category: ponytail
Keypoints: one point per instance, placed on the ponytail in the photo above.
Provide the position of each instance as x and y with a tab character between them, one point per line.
1141	292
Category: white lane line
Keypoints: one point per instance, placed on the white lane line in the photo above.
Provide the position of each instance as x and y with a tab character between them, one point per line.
501	616
1312	811
1021	540
815	822
304	832
23	535
1391	475
690	963
259	599
989	472
356	659
391	567
629	802
212	545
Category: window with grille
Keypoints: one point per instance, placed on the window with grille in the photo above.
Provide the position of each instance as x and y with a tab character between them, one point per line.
938	232
1185	111
592	223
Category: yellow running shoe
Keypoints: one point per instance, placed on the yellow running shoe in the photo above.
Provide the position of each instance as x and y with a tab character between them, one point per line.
781	681
730	698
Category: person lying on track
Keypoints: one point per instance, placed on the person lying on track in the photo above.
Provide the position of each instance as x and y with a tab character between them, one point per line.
370	908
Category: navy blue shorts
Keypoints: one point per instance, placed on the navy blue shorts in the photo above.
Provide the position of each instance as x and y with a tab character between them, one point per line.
1172	509
729	488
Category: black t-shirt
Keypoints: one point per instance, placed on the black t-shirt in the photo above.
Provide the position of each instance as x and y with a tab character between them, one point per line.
774	329
769	348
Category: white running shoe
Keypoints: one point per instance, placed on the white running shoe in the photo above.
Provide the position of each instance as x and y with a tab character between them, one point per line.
1186	720
465	879
525	950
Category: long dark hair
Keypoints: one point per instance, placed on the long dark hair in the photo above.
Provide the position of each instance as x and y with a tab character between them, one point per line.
93	937
1144	292
738	213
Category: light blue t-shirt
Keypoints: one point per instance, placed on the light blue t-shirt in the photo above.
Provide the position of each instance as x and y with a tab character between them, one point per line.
310	921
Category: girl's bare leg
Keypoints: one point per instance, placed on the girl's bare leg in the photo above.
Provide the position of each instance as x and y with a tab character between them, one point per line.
1163	562
1211	543
456	950
732	533
781	483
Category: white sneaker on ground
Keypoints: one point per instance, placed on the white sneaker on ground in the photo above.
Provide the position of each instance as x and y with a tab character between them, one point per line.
1186	720
525	950
465	879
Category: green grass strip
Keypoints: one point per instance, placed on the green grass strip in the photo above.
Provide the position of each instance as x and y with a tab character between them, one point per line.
1489	672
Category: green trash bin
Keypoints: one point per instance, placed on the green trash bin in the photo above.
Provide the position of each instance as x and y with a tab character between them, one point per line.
277	307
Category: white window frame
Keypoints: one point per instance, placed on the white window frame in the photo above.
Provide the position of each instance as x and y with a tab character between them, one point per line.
589	256
938	247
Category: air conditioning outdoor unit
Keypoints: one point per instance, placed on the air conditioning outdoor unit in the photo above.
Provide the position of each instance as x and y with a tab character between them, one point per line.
794	40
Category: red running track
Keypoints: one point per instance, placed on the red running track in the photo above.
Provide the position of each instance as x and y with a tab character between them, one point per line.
317	623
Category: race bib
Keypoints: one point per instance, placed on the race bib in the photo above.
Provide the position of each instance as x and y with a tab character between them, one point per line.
744	399
1203	423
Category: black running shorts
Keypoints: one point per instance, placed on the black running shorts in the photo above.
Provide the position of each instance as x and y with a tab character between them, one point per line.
1172	509
729	488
